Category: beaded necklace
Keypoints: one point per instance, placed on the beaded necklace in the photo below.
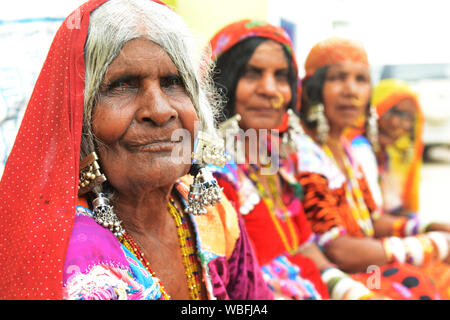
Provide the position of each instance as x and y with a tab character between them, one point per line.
192	269
291	248
129	243
189	256
359	210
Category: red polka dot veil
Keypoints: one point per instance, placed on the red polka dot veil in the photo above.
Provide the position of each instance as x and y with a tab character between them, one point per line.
38	190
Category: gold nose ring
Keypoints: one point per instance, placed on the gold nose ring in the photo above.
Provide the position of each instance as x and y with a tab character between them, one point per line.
278	102
357	101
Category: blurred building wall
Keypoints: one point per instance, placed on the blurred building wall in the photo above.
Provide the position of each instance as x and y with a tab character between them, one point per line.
206	17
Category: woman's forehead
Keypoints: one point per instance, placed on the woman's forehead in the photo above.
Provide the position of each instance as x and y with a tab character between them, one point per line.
140	56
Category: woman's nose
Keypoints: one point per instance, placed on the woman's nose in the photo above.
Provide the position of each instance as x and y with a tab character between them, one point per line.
155	107
268	85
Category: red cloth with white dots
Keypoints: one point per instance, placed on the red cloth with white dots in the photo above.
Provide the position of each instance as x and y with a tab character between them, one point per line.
38	190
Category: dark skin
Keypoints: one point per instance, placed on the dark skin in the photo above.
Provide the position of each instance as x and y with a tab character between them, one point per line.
392	125
142	101
265	76
346	90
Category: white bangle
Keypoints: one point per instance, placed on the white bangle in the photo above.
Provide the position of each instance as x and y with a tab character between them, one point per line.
357	291
423	226
398	249
412	227
414	250
441	243
332	273
341	288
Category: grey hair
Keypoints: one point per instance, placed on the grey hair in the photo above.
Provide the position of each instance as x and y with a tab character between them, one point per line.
115	23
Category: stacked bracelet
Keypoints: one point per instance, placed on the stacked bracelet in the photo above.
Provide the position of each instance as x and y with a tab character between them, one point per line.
395	249
418	250
342	286
330	235
441	244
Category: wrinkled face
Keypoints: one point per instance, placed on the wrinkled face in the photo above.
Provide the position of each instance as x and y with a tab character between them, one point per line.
263	91
142	101
396	122
346	93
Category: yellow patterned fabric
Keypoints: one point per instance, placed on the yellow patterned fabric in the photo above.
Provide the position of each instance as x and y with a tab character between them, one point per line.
404	170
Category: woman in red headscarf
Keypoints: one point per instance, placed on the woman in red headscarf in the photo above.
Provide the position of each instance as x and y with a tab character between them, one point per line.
119	80
256	69
353	231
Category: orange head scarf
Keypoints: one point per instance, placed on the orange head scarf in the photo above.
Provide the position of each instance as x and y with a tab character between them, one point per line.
334	50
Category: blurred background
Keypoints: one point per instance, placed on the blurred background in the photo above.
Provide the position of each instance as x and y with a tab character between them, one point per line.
405	39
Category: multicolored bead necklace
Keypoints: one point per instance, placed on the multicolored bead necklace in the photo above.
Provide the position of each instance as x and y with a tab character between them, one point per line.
191	266
129	243
292	248
360	212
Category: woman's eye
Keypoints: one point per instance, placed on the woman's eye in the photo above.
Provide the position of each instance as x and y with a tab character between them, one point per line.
363	78
172	82
121	86
281	76
251	74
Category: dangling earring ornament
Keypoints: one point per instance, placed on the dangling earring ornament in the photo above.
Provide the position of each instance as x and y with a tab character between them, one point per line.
372	128
317	113
289	140
229	131
90	178
90	175
205	191
105	216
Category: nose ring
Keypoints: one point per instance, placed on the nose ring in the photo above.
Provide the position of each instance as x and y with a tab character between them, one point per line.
357	101
277	103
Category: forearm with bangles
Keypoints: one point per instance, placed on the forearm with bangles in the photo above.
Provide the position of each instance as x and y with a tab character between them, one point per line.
342	287
418	250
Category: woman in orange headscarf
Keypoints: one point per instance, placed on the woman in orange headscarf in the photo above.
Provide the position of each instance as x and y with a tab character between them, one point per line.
352	229
255	67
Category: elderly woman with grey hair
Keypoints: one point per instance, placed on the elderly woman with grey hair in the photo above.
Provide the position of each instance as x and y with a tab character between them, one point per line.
93	202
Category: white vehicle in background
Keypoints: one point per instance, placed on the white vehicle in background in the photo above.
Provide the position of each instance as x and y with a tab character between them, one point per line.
431	82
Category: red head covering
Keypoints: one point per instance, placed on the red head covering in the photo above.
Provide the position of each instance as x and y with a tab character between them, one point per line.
232	34
334	50
236	32
39	187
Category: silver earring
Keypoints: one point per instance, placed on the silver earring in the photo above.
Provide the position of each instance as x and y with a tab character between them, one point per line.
230	132
317	113
372	128
289	140
205	191
105	216
90	178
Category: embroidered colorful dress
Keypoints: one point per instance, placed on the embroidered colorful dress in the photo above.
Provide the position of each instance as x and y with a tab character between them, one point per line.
49	252
337	207
277	235
98	266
